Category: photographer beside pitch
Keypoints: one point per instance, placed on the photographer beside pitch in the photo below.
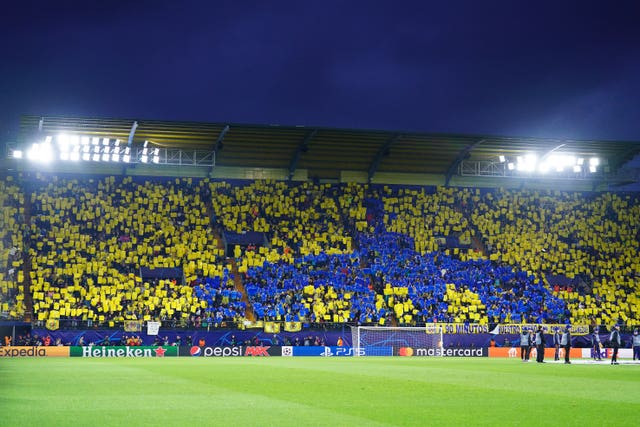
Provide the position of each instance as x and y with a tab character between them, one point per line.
636	345
556	343
565	342
615	343
525	345
596	346
540	344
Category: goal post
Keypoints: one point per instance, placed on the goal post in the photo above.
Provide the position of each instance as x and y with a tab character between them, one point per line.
404	341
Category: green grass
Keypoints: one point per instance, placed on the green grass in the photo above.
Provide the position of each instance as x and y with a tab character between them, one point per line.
314	391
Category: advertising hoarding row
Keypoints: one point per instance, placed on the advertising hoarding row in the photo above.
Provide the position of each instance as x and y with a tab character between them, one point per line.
289	351
235	351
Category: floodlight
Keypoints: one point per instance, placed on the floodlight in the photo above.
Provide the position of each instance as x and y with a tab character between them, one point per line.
577	168
544	167
511	166
47	139
593	168
94	140
96	157
156	159
75	156
63	145
17	154
105	157
86	149
105	141
580	161
126	158
64	156
86	156
520	159
63	138
127	150
117	142
594	161
144	151
145	144
40	152
75	140
530	161
144	158
96	149
115	157
502	159
156	152
32	152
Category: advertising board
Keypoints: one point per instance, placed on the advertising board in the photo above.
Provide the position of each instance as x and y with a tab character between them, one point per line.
441	352
41	351
231	351
514	352
143	351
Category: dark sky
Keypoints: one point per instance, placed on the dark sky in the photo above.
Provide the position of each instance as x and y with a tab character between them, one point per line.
531	68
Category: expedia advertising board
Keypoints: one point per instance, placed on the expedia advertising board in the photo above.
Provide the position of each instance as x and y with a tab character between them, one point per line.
234	351
42	351
441	352
101	351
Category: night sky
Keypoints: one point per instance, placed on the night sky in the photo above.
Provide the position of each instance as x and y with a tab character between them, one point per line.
519	68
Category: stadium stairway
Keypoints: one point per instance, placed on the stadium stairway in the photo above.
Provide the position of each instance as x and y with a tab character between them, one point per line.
237	279
26	256
477	237
476	243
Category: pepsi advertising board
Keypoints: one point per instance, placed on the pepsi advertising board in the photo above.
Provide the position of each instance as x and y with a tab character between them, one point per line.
230	351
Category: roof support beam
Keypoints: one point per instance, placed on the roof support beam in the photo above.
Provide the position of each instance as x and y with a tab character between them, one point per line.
463	154
132	133
548	153
383	151
218	146
302	147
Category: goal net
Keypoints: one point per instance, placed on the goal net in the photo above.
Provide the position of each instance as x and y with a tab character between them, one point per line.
404	341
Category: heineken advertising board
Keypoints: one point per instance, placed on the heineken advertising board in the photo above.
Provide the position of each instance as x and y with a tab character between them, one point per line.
143	351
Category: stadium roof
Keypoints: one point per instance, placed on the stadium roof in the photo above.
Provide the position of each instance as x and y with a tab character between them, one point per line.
325	152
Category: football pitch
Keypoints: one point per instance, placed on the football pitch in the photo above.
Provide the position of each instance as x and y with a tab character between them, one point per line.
314	391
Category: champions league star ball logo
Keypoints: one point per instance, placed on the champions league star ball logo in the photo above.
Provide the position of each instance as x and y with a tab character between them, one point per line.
195	351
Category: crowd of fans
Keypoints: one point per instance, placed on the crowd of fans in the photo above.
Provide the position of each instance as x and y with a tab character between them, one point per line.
335	253
92	237
11	250
591	237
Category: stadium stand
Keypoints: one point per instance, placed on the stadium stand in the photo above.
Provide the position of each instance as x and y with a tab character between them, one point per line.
92	239
105	250
12	304
302	219
589	238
